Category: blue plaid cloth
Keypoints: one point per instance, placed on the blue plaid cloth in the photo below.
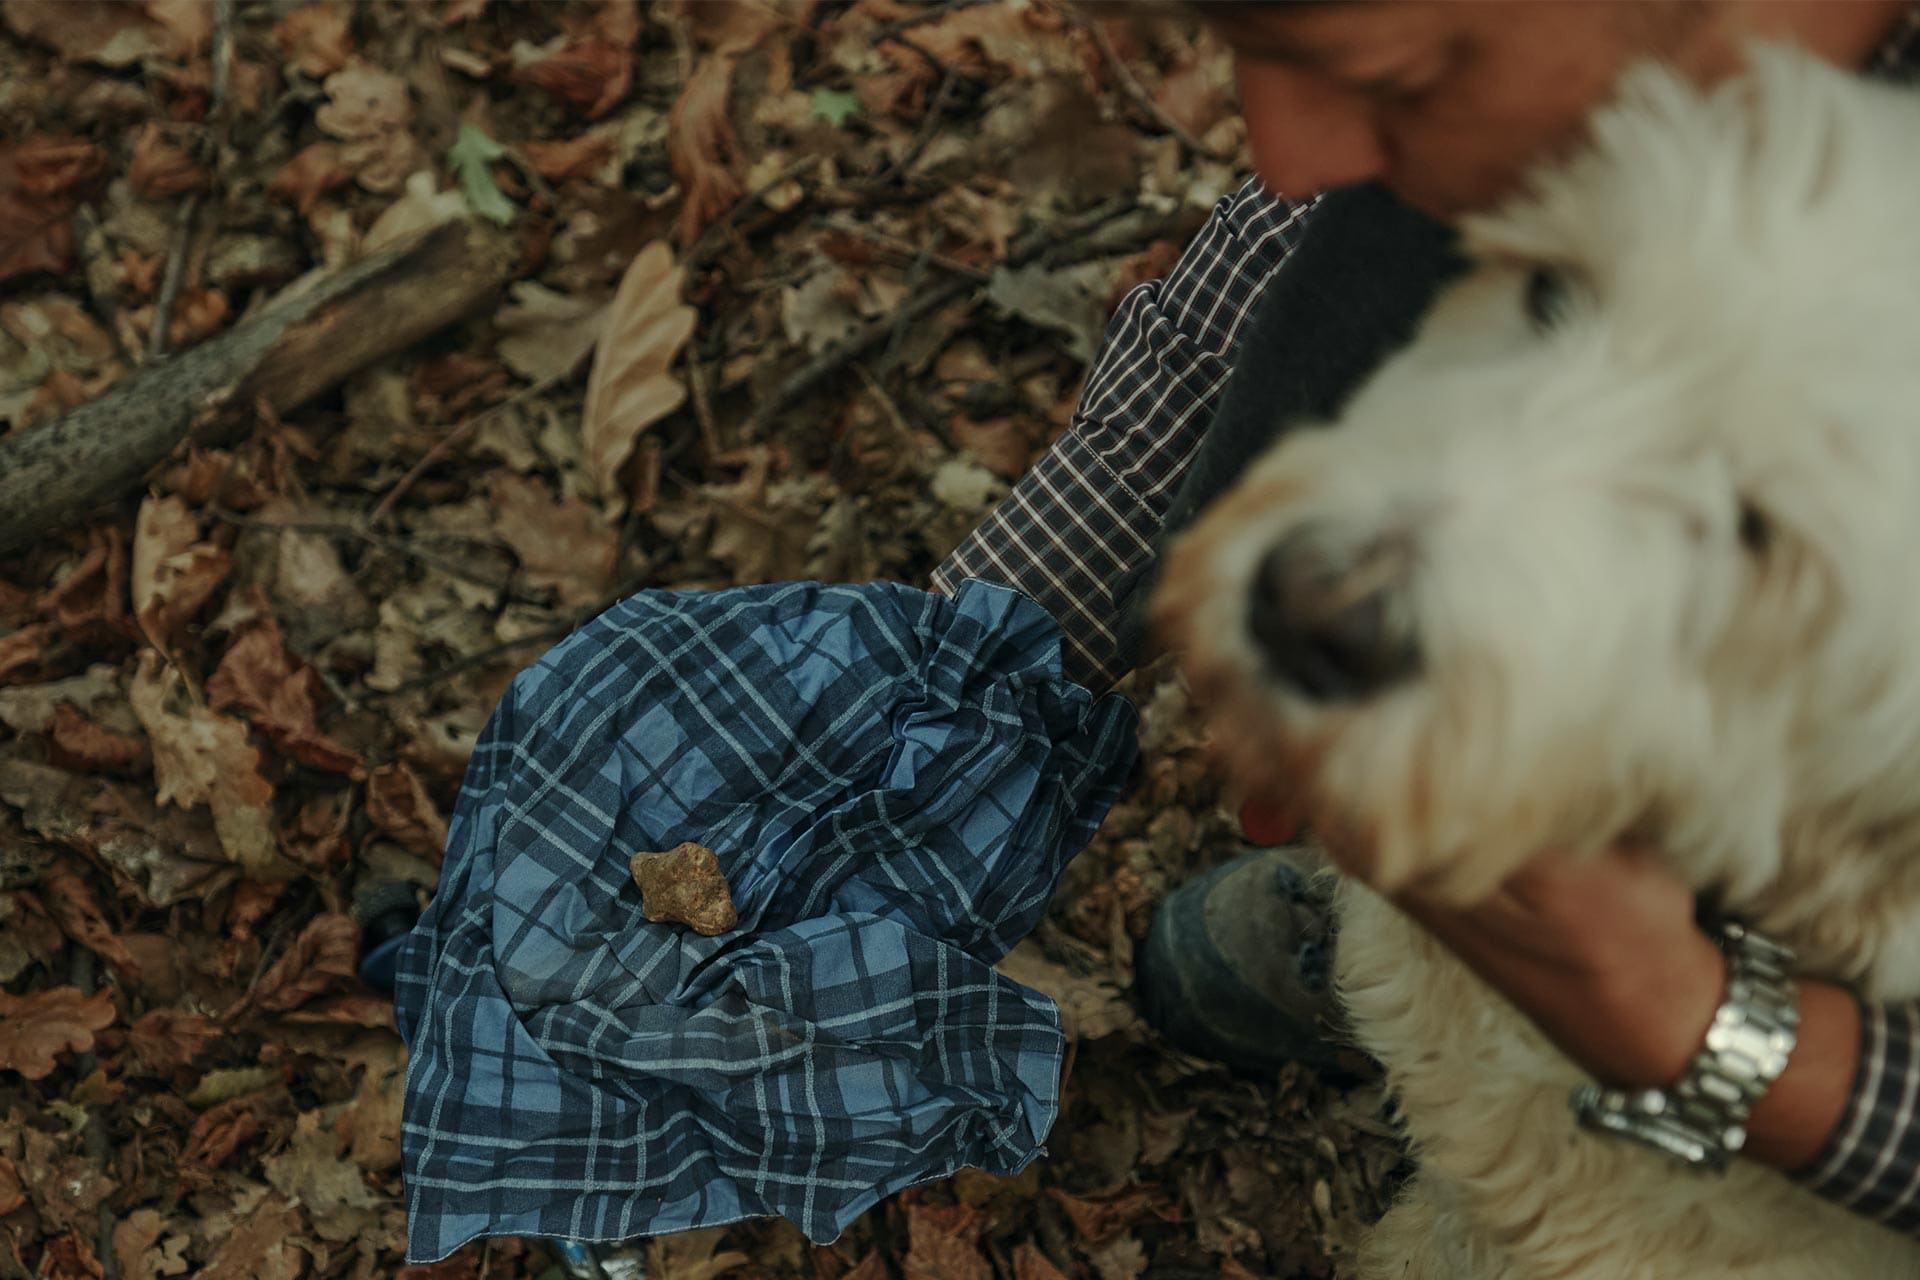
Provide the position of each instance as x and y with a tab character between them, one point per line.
892	780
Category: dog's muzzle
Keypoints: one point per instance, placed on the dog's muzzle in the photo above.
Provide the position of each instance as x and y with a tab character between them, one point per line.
1328	623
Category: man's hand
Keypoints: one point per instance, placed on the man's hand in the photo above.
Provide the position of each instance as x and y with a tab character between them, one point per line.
1604	956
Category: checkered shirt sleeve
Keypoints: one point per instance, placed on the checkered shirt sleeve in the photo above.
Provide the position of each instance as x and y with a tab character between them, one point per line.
1081	524
1871	1163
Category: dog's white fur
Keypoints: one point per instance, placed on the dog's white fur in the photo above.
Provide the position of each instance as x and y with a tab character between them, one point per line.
1603	656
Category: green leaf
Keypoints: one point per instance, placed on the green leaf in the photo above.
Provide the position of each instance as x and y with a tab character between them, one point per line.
472	156
834	107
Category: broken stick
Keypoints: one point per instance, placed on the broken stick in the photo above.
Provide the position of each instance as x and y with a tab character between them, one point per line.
57	474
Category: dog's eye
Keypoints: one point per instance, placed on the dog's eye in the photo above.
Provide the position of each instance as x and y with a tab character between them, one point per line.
1756	531
1547	298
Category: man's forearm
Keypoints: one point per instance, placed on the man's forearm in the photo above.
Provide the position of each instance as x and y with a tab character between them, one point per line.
1794	1122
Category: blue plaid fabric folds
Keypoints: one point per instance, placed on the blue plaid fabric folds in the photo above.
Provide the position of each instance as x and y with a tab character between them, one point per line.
893	782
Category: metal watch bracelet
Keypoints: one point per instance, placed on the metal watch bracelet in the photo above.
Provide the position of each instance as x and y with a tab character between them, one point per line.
1701	1120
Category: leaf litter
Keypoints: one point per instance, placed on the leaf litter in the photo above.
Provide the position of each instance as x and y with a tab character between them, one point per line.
802	289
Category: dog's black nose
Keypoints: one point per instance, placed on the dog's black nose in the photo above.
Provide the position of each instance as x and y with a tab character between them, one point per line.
1327	623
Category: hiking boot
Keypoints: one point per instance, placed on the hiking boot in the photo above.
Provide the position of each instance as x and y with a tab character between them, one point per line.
1237	966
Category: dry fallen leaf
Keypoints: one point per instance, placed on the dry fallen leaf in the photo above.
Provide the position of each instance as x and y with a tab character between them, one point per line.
561	543
173	571
162	1041
35	1028
631	386
1089	1007
278	693
71	903
585	156
315	40
113	34
37	181
421	206
326	952
944	1244
549	334
689	1255
266	1246
703	146
202	757
316	169
331	1190
136	1244
76	742
398	804
591	75
161	168
371	110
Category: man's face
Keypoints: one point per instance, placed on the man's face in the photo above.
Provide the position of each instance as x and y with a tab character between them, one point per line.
1449	103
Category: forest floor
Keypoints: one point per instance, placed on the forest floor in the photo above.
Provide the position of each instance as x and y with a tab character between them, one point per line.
876	246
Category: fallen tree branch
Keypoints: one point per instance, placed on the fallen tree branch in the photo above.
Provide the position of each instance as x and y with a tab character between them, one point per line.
59	473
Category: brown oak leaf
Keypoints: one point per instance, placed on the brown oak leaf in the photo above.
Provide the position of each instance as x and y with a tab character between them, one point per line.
590	75
632	384
315	39
71	903
266	1246
12	1193
75	742
38	178
174	572
277	691
944	1244
561	542
165	1040
136	1243
202	757
566	159
315	170
703	147
219	1131
398	804
35	1028
323	954
70	1257
161	168
1029	1263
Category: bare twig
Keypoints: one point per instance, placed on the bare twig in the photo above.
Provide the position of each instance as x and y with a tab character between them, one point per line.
702	397
460	431
176	271
170	282
904	251
1131	86
81	974
707	244
935	109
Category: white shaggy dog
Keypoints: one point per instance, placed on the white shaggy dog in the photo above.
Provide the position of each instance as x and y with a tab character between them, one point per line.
1621	546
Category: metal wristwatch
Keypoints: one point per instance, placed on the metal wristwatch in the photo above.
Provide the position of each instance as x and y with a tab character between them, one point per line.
1701	1120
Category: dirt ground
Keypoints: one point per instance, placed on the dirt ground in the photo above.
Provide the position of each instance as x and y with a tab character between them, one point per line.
875	247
